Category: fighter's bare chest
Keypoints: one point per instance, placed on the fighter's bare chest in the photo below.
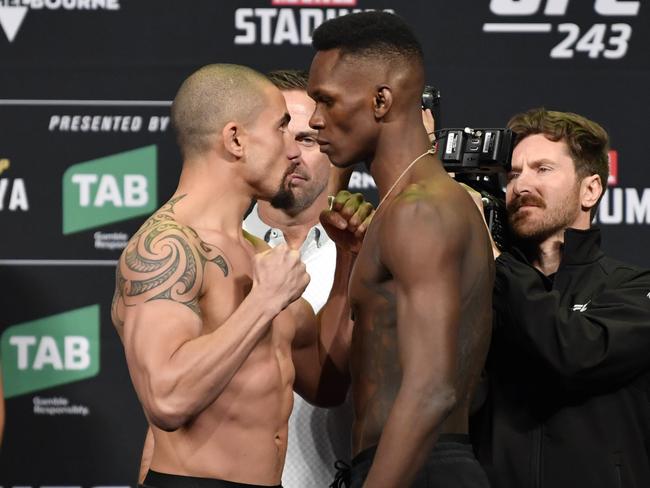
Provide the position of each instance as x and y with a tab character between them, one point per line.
371	285
224	294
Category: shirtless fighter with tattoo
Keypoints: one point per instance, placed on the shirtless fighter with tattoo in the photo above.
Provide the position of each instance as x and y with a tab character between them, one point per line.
208	315
421	286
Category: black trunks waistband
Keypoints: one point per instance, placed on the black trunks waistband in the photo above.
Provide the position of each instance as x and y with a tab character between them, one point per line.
164	480
368	454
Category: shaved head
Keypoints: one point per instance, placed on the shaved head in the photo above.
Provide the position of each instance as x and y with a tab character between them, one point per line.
210	98
375	39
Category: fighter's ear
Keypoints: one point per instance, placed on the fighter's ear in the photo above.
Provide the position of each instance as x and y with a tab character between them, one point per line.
383	101
232	135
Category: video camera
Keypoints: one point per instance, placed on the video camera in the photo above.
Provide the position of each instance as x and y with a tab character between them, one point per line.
477	157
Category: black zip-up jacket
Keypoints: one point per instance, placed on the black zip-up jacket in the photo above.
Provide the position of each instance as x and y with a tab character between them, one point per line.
569	373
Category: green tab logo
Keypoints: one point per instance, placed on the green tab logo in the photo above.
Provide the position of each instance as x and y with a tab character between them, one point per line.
110	189
52	351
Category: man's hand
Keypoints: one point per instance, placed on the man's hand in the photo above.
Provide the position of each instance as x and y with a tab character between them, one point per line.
478	201
429	124
280	274
347	220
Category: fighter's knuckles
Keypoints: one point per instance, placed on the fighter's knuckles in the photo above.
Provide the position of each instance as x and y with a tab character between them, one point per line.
340	199
365	210
352	205
362	213
353	222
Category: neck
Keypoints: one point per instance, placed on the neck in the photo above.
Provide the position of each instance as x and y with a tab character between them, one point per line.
397	147
216	197
294	225
547	255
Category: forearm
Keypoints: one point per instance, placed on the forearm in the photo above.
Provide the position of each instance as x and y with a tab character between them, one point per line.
182	385
321	355
334	321
408	437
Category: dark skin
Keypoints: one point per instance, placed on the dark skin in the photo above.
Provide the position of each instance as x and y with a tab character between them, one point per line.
421	286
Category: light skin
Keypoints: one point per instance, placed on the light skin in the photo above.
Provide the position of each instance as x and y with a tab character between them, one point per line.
314	180
421	287
310	184
209	315
545	196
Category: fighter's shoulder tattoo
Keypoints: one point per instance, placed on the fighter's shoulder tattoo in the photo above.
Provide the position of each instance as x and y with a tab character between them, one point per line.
165	260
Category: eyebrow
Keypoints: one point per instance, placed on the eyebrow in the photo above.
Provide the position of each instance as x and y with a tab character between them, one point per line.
306	133
285	119
318	95
539	162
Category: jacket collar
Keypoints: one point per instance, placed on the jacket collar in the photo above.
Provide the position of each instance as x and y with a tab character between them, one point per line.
580	247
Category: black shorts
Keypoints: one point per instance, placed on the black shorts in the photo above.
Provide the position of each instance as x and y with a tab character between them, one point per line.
451	464
163	480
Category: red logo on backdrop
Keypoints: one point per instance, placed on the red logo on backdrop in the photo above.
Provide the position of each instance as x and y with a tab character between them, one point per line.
613	168
314	3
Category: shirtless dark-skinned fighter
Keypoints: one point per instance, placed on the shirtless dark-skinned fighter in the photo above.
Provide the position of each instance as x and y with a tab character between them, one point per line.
421	286
209	316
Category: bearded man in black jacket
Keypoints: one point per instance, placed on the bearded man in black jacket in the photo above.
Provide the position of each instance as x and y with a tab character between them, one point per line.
569	366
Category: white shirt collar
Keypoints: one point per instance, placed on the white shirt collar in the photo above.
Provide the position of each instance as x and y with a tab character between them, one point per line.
316	237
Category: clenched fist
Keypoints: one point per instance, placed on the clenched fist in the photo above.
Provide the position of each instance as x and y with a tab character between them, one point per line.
280	275
347	220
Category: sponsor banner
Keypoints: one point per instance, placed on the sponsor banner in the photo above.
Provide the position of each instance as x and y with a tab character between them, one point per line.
292	24
14	12
608	38
612	179
106	156
72	417
627	206
48	352
13	192
624	206
109	189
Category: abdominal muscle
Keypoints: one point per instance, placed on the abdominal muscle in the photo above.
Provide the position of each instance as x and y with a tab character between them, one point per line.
242	435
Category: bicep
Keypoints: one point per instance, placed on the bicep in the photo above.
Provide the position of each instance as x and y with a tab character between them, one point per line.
153	331
428	315
159	282
427	277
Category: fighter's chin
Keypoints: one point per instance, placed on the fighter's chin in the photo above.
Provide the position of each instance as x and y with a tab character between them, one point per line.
325	148
339	161
283	198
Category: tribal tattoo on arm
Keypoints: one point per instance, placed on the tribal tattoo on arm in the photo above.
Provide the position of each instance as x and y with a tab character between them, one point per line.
164	260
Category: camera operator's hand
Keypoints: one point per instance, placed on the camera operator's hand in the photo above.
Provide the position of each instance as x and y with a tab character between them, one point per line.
478	201
429	124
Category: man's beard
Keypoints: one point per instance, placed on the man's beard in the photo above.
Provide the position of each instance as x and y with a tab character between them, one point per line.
551	221
284	197
294	203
